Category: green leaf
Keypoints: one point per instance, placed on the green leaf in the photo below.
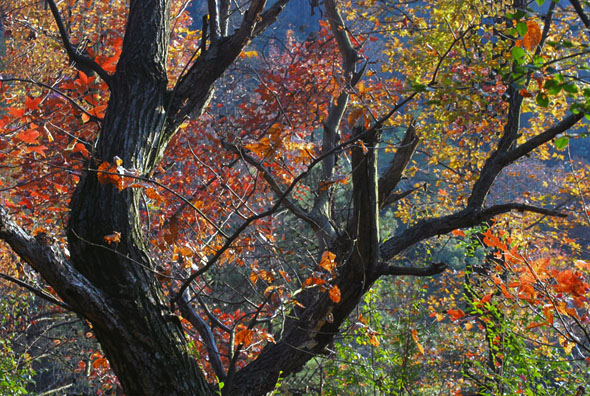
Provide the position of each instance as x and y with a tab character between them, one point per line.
542	99
517	15
521	28
419	87
561	142
570	87
552	87
518	53
540	2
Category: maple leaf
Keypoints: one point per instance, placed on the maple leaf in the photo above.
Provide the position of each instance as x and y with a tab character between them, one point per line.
28	136
32	103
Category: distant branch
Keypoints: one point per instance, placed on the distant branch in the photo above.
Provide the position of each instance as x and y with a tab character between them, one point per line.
75	57
273	184
393	173
273	209
205	332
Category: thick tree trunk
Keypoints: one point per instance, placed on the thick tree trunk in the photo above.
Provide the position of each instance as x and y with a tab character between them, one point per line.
147	348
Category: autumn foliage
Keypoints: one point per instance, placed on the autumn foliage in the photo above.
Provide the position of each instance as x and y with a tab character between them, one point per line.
393	198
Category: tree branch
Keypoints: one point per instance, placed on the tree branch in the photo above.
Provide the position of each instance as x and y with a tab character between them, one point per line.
47	259
214	26
57	91
38	292
581	13
77	59
465	218
205	332
269	16
542	138
498	160
432	269
273	184
393	173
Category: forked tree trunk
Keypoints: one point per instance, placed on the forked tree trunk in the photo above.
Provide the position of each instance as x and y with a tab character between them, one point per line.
147	349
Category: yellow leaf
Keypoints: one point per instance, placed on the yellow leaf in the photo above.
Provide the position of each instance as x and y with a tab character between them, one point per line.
415	338
248	54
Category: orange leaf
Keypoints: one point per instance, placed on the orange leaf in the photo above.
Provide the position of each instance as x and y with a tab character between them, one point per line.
244	337
16	113
334	294
32	103
28	136
548	314
535	324
456	313
354	116
36	149
533	35
253	277
525	94
363	147
313	281
328	261
153	194
458	233
113	238
486	298
506	293
373	340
